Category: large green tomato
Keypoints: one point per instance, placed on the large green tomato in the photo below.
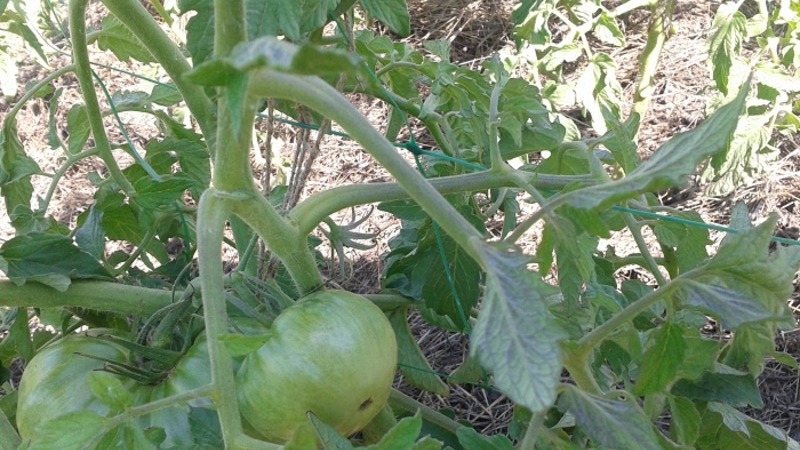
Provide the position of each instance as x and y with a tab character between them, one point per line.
56	381
333	353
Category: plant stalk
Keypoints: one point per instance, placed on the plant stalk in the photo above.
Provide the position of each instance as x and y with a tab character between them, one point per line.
83	71
211	215
312	211
99	295
318	95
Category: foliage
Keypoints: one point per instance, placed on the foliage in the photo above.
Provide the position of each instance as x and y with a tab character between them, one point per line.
588	359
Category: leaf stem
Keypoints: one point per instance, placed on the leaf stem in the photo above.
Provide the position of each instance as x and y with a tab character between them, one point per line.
599	334
313	210
83	71
650	262
33	91
283	238
99	295
318	95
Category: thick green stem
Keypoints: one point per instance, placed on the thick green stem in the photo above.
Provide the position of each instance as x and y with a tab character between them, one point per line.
133	14
657	35
99	295
318	95
83	70
312	211
283	238
211	216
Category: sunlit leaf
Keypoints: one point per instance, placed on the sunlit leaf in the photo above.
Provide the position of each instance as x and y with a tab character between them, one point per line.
729	32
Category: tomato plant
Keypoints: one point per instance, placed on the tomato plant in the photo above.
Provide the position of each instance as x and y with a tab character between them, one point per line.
332	354
634	352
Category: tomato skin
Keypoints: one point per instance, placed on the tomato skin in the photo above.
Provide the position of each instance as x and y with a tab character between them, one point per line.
333	353
55	381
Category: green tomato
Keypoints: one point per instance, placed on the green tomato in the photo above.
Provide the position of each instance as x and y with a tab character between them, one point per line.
333	353
56	381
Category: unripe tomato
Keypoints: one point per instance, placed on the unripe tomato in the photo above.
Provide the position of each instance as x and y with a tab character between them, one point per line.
333	353
55	381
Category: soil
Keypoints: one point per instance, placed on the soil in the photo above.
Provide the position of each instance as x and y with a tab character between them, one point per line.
476	29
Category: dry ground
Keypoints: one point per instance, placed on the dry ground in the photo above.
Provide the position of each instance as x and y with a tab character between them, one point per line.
476	29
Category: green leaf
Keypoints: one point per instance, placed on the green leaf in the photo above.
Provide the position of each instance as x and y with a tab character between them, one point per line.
684	420
672	162
78	128
746	282
151	195
238	345
469	438
515	337
16	169
331	440
428	443
118	38
90	236
402	435
109	389
205	427
68	432
48	259
393	13
165	95
700	355
611	423
736	389
727	304
661	360
749	347
741	431
412	363
726	41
